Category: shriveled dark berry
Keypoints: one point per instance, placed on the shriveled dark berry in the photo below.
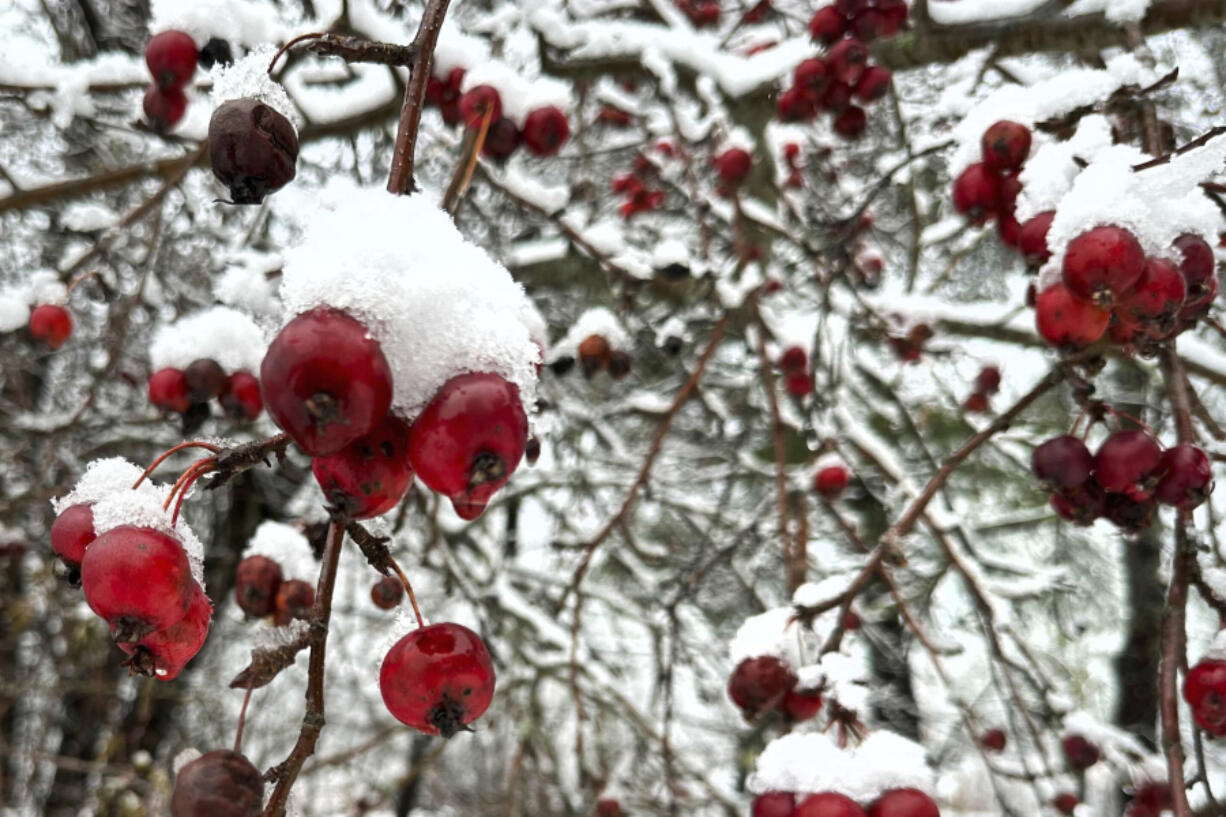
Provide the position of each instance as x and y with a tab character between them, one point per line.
253	149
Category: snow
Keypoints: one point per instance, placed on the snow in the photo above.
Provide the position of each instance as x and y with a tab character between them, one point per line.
16	300
369	87
595	321
774	632
520	95
438	304
245	284
14	310
248	78
285	545
85	217
222	333
242	22
811	762
1216	651
1050	171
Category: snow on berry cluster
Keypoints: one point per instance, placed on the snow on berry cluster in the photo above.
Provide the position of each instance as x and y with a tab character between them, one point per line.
37	304
597	341
140	568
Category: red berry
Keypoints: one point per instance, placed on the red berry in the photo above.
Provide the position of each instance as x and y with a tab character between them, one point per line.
868	24
851	123
801	706
1062	463
1065	321
733	166
704	13
1158	295
479	102
1103	264
325	381
205	380
438	679
847	60
1006	145
988	380
1079	752
904	803
1197	264
1204	689
793	359
1186	477
1154	795
874	83
594	354
168	390
798	384
774	804
387	592
256	582
759	684
836	97
1128	514
468	441
1081	506
294	600
218	784
71	533
546	130
1065	803
163	654
831	481
171	57
977	193
1032	239
1128	463
811	75
1194	308
371	474
994	740
850	8
1006	205
501	140
827	25
164	108
796	105
894	17
50	325
241	398
138	580
828	804
608	807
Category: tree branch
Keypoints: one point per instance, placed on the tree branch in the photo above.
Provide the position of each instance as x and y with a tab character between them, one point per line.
400	180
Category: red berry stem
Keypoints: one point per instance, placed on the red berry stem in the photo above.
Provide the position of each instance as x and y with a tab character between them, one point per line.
198	470
186	478
180	447
272	64
408	588
242	718
400	178
1136	421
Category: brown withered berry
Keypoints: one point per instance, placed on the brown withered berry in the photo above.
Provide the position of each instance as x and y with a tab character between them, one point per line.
387	592
594	354
218	784
253	149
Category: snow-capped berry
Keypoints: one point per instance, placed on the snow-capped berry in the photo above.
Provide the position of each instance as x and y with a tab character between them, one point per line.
469	439
371	474
387	592
479	102
619	364
1066	321
1062	463
437	679
256	582
847	60
164	108
1065	802
827	25
1186	477
594	354
874	83
294	599
828	804
1006	145
774	804
71	533
218	784
501	140
1204	689
759	684
993	740
1079	752
168	390
164	653
205	380
977	193
253	149
546	130
831	481
801	705
851	123
138	580
241	399
1032	238
50	325
1128	462
733	166
1196	261
325	381
1103	264
1158	295
904	803
171	58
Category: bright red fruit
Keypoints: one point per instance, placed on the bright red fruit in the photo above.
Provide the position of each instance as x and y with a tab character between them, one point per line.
1006	145
847	60
733	166
256	582
438	679
1103	264
1066	321
851	123
904	803
801	705
1032	238
1079	752
387	592
164	108
1186	477
479	101
1158	295
71	533
171	57
294	600
1204	689
793	359
325	381
241	398
138	580
1197	262
796	104
827	25
994	740
168	390
163	654
467	442
977	193
218	784
828	804
1065	802
759	684
371	474
988	380
831	481
1062	463
798	384
50	325
774	804
811	75
546	130
1128	463
874	83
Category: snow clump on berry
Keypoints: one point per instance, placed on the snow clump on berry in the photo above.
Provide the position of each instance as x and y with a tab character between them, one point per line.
248	78
222	333
812	762
594	321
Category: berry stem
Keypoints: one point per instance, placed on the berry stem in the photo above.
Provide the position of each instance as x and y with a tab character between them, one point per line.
474	140
242	718
408	588
180	447
301	38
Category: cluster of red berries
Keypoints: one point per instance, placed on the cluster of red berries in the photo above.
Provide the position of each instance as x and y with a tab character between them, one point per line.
797	380
188	391
1204	689
701	13
766	683
171	57
260	590
326	382
1110	287
1150	799
139	580
987	383
1124	481
830	482
545	129
830	83
891	803
909	346
640	187
989	188
438	679
50	325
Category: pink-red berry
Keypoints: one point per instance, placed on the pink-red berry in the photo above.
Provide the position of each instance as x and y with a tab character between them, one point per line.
241	399
168	390
977	193
1128	463
545	131
164	108
138	580
171	58
1005	145
1103	264
760	684
1204	689
371	474
71	533
438	679
828	804
50	325
1068	322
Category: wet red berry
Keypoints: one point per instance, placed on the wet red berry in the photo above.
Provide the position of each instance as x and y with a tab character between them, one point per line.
811	75
1065	802
50	325
164	108
171	58
1006	145
1158	295
1204	689
218	784
1079	752
545	131
760	684
256	582
794	359
827	25
438	679
904	803
828	804
479	102
205	380
294	600
1067	322
138	580
1128	463
168	390
1186	477
847	60
468	441
325	381
241	398
874	83
71	533
831	481
1103	264
733	166
1062	463
801	705
774	804
993	740
1032	238
977	193
371	474
387	592
851	123
164	653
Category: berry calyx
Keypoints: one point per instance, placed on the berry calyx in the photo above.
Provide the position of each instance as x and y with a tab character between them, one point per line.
205	380
50	325
241	399
904	803
977	193
1032	238
774	804
545	131
479	102
71	533
1062	463
1079	752
1186	477
168	390
387	592
370	475
256	582
138	580
171	58
218	784
438	679
1204	689
164	108
294	600
1006	145
828	804
759	684
733	166
1128	463
325	381
1103	264
1066	321
253	149
163	654
469	439
831	481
